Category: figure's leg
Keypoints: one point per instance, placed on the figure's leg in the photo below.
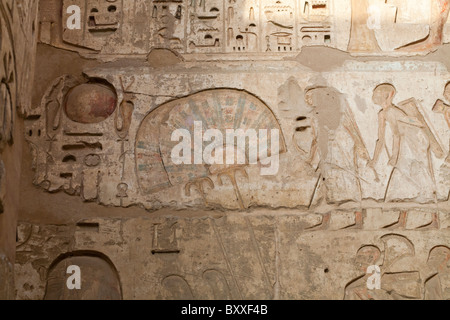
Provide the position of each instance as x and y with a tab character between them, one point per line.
440	11
362	39
439	14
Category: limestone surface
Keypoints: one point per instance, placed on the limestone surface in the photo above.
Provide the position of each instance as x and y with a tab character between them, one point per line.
223	149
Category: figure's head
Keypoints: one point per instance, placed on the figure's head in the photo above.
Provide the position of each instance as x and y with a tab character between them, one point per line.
321	96
439	258
447	92
367	256
383	94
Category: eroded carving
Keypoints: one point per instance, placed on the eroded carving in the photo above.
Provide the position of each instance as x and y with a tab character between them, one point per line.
218	284
99	279
437	286
395	284
357	289
8	78
6	279
334	169
177	288
175	268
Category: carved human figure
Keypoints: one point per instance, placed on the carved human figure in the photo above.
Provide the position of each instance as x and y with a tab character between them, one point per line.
325	100
441	107
437	287
412	145
394	285
357	289
439	15
399	283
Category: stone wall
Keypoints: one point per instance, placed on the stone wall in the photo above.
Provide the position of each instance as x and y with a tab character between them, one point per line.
259	255
18	23
358	175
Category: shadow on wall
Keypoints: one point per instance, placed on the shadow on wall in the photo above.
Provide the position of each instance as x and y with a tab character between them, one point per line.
99	279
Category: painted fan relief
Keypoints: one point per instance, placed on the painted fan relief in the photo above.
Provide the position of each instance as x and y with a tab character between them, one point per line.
219	109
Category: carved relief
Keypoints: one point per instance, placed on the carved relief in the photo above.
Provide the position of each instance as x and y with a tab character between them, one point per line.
165	238
400	285
362	37
218	109
279	20
357	289
6	279
219	284
394	285
25	42
205	26
267	27
49	21
347	184
99	279
17	50
418	26
285	257
316	25
71	109
82	111
336	145
177	288
100	21
110	138
443	108
410	131
168	19
335	170
8	76
437	286
439	15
